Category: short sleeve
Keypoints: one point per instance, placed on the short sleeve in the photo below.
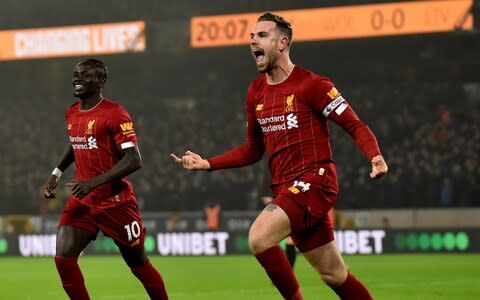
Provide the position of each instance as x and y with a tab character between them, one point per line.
123	129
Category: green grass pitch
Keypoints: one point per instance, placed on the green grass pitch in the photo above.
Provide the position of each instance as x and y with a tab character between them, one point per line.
390	277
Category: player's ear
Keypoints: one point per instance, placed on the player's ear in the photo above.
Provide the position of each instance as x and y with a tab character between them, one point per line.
283	45
102	81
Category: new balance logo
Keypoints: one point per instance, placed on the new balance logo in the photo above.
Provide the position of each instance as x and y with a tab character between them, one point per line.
292	121
92	143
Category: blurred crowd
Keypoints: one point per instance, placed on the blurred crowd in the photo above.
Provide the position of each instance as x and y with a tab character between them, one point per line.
429	133
430	137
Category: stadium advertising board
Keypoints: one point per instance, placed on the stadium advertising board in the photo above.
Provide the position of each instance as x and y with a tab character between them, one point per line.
351	242
342	22
90	39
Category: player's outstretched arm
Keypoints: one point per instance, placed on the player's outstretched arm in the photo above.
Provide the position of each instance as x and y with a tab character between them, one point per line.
191	161
48	188
379	167
129	163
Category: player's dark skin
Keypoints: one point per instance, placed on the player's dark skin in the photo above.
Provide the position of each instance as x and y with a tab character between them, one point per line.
88	82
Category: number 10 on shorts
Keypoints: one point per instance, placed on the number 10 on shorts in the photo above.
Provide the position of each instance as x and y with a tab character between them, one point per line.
133	230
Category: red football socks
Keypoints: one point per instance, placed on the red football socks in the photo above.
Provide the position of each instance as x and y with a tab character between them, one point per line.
352	289
152	281
276	264
72	278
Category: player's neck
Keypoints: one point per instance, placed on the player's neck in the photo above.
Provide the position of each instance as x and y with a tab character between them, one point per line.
280	72
90	102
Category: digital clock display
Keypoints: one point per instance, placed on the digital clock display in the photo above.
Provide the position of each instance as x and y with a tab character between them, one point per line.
341	22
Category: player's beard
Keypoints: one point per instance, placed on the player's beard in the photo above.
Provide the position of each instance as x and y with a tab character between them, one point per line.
270	65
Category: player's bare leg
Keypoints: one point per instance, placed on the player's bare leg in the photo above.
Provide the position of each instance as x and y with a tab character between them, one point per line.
268	229
142	268
328	262
70	243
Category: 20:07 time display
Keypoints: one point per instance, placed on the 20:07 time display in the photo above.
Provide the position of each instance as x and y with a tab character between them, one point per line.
231	30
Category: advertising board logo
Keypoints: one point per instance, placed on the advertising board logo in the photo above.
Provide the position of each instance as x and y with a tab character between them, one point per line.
428	241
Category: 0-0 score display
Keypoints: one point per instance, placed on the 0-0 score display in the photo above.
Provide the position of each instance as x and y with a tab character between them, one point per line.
340	22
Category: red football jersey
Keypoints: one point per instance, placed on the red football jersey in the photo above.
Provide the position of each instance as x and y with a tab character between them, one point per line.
97	136
289	121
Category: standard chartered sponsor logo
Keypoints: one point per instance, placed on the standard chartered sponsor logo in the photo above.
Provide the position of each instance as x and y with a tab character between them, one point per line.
78	139
79	146
270	128
82	143
272	119
292	121
92	143
277	123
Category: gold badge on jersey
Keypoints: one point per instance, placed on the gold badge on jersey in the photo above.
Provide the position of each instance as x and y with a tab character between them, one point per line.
294	189
259	107
69	126
333	93
127	129
289	102
90	127
126	126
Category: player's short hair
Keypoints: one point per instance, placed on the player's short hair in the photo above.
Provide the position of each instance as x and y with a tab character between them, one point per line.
282	24
100	67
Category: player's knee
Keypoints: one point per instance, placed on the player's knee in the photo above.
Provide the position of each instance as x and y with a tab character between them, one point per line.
135	259
333	278
258	244
63	250
136	262
329	279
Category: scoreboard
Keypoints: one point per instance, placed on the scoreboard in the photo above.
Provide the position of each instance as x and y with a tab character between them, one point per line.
344	22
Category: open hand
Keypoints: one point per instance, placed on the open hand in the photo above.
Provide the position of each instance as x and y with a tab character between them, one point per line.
191	161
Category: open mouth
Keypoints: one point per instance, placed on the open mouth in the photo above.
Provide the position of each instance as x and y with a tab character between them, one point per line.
78	84
259	55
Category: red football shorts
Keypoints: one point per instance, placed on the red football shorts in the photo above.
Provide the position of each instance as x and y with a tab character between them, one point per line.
307	202
123	222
